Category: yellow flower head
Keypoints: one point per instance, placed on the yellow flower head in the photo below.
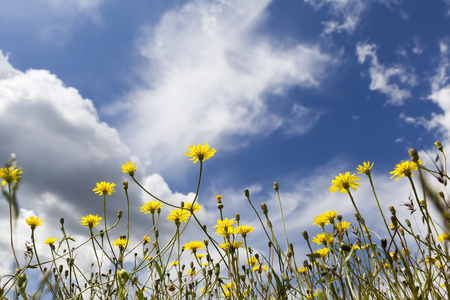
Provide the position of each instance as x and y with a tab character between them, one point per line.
194	246
321	221
323	238
50	241
179	215
34	222
244	230
121	242
192	272
9	175
302	270
150	207
444	237
365	168
225	227
104	188
343	183
231	246
252	261
219	198
192	208
260	268
174	263
90	221
129	168
342	226
330	215
146	240
200	256
200	153
404	168
323	252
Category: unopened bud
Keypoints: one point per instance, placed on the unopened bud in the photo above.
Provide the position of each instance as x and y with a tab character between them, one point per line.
275	186
246	193
414	155
264	208
441	194
392	209
305	235
220	205
61	221
408	223
384	243
125	185
237	217
439	146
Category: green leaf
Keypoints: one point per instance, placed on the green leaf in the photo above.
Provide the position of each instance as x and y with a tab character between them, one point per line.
320	294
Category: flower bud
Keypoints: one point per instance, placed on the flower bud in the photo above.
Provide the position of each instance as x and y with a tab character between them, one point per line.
264	208
275	186
119	214
220	205
384	243
125	185
414	155
441	194
339	218
237	217
305	235
246	193
61	221
408	223
392	209
219	198
439	146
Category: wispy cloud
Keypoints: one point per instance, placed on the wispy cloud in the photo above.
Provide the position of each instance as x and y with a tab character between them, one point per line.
392	81
208	74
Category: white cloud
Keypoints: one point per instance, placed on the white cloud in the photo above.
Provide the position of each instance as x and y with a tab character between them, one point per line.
64	150
345	14
394	81
49	19
209	72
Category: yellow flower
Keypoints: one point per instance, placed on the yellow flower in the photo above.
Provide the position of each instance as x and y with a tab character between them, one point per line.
174	263
231	246
323	252
228	286
260	268
323	238
343	183
121	242
361	247
179	215
310	296
129	168
225	227
244	230
404	168
191	272
342	226
321	221
150	207
192	208
104	188
200	153
50	241
194	246
302	270
9	175
430	260
200	256
252	260
365	168
146	240
90	221
330	215
219	198
444	237
34	222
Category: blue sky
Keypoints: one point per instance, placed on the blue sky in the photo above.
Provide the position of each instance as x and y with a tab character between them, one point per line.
294	91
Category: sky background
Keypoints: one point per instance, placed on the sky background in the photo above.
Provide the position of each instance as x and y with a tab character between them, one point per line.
293	91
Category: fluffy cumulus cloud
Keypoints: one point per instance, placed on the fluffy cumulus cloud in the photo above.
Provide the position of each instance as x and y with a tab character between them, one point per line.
210	71
64	149
392	81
